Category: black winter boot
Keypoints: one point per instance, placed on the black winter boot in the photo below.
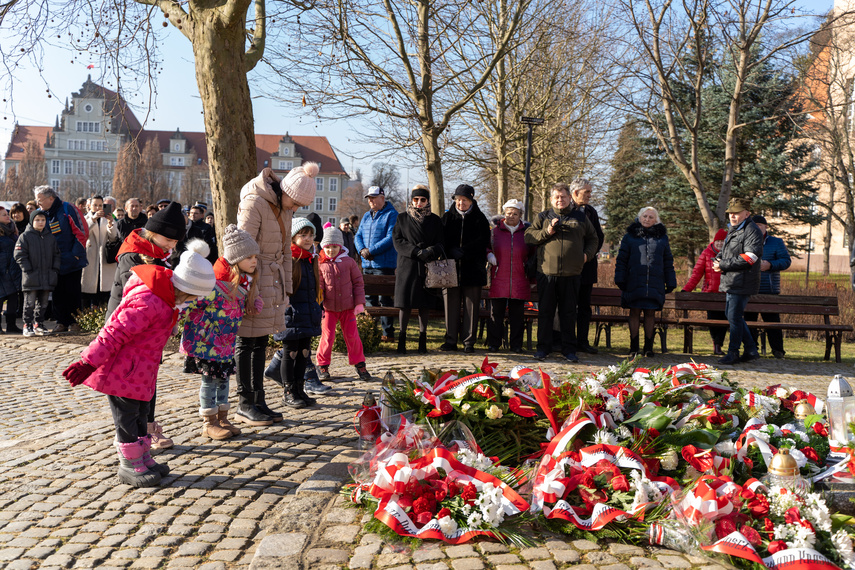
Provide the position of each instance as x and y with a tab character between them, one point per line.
292	398
248	413
299	390
422	343
402	343
273	371
633	346
648	346
261	406
12	326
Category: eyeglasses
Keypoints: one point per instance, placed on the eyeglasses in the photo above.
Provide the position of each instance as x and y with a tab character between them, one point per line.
420	199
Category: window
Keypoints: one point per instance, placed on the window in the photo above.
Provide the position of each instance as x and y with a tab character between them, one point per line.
93	168
304	208
176	147
332	204
319	182
54	166
68	167
54	184
98	145
332	221
333	184
106	168
93	185
81	167
75	144
286	151
106	186
286	164
319	203
88	127
87	107
176	161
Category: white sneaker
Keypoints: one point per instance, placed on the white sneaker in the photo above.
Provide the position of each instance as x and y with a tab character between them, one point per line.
28	330
41	330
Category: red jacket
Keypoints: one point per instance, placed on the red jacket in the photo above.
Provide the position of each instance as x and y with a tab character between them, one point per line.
341	281
704	268
508	280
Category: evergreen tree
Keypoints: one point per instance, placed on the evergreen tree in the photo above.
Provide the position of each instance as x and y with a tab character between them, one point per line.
626	193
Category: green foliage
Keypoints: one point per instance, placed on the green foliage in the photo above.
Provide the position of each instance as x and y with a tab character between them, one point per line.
91	320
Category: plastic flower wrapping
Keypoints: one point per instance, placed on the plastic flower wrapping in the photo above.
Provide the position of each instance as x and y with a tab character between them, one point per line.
676	456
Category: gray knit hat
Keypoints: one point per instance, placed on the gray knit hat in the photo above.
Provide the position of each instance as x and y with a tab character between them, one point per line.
238	245
332	236
298	224
195	274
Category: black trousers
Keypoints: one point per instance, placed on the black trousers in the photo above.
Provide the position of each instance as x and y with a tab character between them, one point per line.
66	297
583	313
496	326
296	354
471	297
250	361
561	293
130	418
717	333
776	337
11	307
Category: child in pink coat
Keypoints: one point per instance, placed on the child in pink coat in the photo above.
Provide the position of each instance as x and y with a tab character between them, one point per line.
123	360
344	298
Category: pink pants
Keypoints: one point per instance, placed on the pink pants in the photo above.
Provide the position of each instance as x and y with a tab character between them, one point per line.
351	337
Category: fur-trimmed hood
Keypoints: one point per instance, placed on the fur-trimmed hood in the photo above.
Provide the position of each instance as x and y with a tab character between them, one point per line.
655	231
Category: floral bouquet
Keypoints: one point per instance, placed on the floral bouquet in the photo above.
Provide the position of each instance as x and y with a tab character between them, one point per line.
439	496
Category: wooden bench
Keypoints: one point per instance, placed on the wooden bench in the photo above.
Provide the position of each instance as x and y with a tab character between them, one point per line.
825	307
605	303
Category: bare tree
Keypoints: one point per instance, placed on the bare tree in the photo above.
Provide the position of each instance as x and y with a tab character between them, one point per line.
677	43
409	64
123	34
29	173
125	175
151	179
352	201
387	176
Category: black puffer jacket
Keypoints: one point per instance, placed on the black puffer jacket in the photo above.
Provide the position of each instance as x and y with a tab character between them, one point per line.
644	269
303	314
739	259
470	235
37	254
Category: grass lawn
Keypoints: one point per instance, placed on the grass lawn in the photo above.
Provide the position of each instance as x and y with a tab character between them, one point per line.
796	348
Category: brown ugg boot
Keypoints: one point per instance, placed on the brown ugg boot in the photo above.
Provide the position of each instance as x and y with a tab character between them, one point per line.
223	417
211	428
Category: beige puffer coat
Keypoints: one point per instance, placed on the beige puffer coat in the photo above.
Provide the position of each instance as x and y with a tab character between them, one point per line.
256	216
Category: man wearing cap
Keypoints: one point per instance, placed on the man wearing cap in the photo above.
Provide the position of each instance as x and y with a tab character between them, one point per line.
565	240
348	237
775	259
580	193
374	244
739	265
163	203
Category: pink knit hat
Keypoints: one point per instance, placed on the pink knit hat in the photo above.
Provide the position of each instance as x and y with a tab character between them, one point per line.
299	184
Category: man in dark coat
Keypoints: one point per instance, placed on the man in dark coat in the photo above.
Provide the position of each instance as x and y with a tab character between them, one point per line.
739	265
466	237
580	192
775	259
134	218
566	240
66	225
196	228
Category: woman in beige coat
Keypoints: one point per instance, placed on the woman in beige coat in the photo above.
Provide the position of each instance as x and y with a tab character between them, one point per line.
267	205
97	277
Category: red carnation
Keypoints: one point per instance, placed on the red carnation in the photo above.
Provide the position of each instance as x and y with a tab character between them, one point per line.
443	512
424	518
752	535
620	483
759	506
470	492
777	546
440	495
423	504
724	527
405	502
820	429
810	453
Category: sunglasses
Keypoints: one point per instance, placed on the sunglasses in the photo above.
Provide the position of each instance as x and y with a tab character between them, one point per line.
420	199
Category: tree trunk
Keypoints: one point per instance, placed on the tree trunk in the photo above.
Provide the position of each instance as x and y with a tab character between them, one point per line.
226	103
433	167
826	240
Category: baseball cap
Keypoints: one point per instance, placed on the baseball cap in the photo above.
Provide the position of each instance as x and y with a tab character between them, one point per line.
375	191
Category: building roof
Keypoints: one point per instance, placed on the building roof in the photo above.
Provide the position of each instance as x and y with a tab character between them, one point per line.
21	135
311	148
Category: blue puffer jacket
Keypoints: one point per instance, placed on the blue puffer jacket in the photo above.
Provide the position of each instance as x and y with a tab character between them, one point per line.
375	233
303	315
63	221
644	269
775	252
10	272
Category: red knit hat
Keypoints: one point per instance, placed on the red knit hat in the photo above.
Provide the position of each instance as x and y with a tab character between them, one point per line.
720	234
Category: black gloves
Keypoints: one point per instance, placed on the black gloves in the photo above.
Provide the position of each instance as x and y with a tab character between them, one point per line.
424	255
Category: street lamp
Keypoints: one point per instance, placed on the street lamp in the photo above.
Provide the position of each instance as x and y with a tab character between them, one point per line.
530	121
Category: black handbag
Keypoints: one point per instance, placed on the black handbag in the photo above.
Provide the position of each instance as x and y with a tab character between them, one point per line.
111	250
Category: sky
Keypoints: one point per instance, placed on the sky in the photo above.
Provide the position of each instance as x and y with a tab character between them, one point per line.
177	104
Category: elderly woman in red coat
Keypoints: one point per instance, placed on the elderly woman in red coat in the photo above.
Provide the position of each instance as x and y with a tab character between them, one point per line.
704	270
510	288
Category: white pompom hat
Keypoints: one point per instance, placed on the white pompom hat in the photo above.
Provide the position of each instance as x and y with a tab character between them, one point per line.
195	274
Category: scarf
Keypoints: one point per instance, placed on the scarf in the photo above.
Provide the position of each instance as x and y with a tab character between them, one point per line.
418	214
512	229
9	229
298	252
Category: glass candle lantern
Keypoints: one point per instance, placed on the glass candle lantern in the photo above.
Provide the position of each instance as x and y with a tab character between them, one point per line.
840	411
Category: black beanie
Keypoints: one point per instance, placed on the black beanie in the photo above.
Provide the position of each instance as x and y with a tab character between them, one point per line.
168	222
319	226
466	191
420	193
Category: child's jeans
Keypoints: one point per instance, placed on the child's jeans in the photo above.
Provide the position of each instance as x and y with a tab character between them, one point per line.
129	415
35	301
348	330
213	394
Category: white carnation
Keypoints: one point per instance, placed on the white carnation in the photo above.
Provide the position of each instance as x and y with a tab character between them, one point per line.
447	525
604	437
670	460
494	412
843	544
508	392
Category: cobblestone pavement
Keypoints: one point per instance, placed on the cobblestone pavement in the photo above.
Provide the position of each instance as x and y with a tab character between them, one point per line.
266	499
